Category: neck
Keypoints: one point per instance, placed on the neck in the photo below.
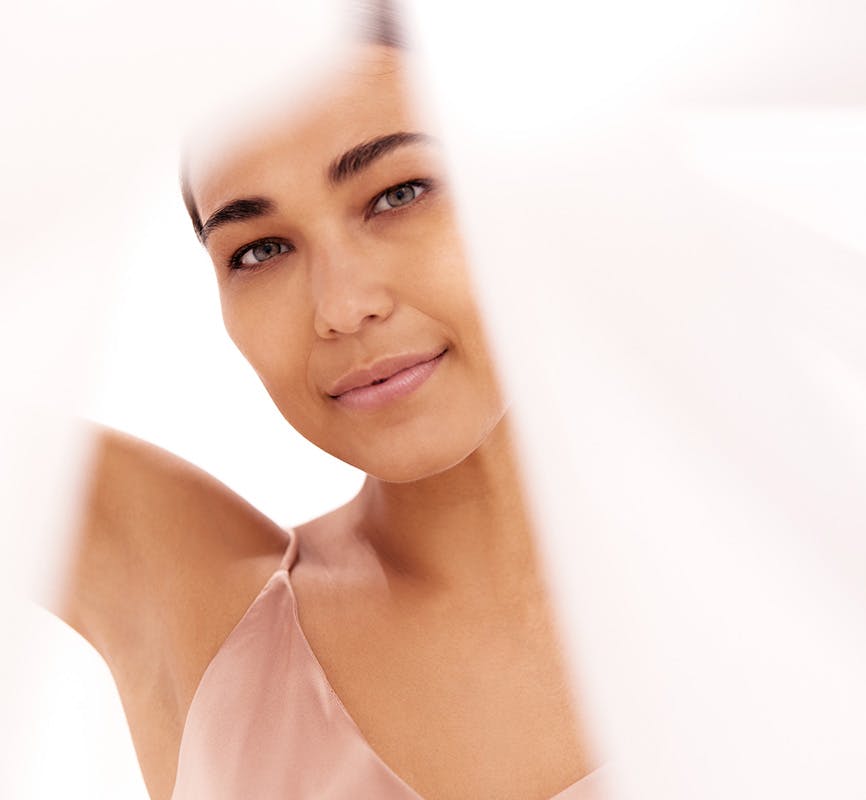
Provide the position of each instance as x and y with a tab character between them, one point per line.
467	528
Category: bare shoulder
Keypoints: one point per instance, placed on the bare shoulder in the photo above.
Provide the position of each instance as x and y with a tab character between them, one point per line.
165	560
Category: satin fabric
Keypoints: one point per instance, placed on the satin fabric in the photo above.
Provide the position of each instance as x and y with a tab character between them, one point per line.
265	724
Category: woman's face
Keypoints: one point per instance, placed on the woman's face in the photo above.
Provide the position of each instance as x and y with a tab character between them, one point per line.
329	263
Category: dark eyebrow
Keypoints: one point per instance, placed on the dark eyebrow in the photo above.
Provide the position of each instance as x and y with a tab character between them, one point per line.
361	156
236	211
341	169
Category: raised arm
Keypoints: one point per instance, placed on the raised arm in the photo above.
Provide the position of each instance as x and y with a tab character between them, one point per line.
164	561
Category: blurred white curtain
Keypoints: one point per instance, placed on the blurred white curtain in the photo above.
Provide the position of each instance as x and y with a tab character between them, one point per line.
109	310
663	204
665	210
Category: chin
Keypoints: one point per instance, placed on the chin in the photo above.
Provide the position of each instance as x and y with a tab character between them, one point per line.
423	457
408	448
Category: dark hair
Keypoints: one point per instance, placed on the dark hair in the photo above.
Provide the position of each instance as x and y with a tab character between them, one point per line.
377	22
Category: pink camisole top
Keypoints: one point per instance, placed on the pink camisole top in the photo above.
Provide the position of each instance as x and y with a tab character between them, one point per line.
265	724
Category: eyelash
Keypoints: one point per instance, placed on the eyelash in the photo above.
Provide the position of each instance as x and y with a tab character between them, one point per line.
424	183
235	260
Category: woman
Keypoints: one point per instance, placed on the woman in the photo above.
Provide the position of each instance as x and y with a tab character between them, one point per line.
403	644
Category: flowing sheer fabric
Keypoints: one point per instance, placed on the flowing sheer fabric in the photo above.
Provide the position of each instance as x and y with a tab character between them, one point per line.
265	723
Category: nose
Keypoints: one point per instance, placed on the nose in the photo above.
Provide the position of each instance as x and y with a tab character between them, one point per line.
349	290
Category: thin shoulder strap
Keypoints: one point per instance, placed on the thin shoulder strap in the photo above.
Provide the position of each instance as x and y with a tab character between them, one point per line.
291	551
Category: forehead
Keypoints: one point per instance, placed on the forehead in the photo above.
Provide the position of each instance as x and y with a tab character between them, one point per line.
358	100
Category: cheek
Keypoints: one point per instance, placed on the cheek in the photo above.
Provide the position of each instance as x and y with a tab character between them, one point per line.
449	293
242	322
433	258
268	336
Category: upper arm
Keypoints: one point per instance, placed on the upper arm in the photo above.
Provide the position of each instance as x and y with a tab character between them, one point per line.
154	536
164	560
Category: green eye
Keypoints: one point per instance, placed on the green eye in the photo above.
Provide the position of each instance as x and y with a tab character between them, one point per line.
398	196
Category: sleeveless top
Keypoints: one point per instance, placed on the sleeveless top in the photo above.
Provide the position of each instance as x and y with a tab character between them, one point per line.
265	724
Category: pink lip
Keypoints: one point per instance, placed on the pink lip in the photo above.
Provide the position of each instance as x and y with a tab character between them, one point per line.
380	370
398	384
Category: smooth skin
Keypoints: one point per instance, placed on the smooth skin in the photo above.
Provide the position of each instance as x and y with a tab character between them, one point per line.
423	597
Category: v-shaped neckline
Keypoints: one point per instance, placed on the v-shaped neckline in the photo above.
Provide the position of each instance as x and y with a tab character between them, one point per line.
288	561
